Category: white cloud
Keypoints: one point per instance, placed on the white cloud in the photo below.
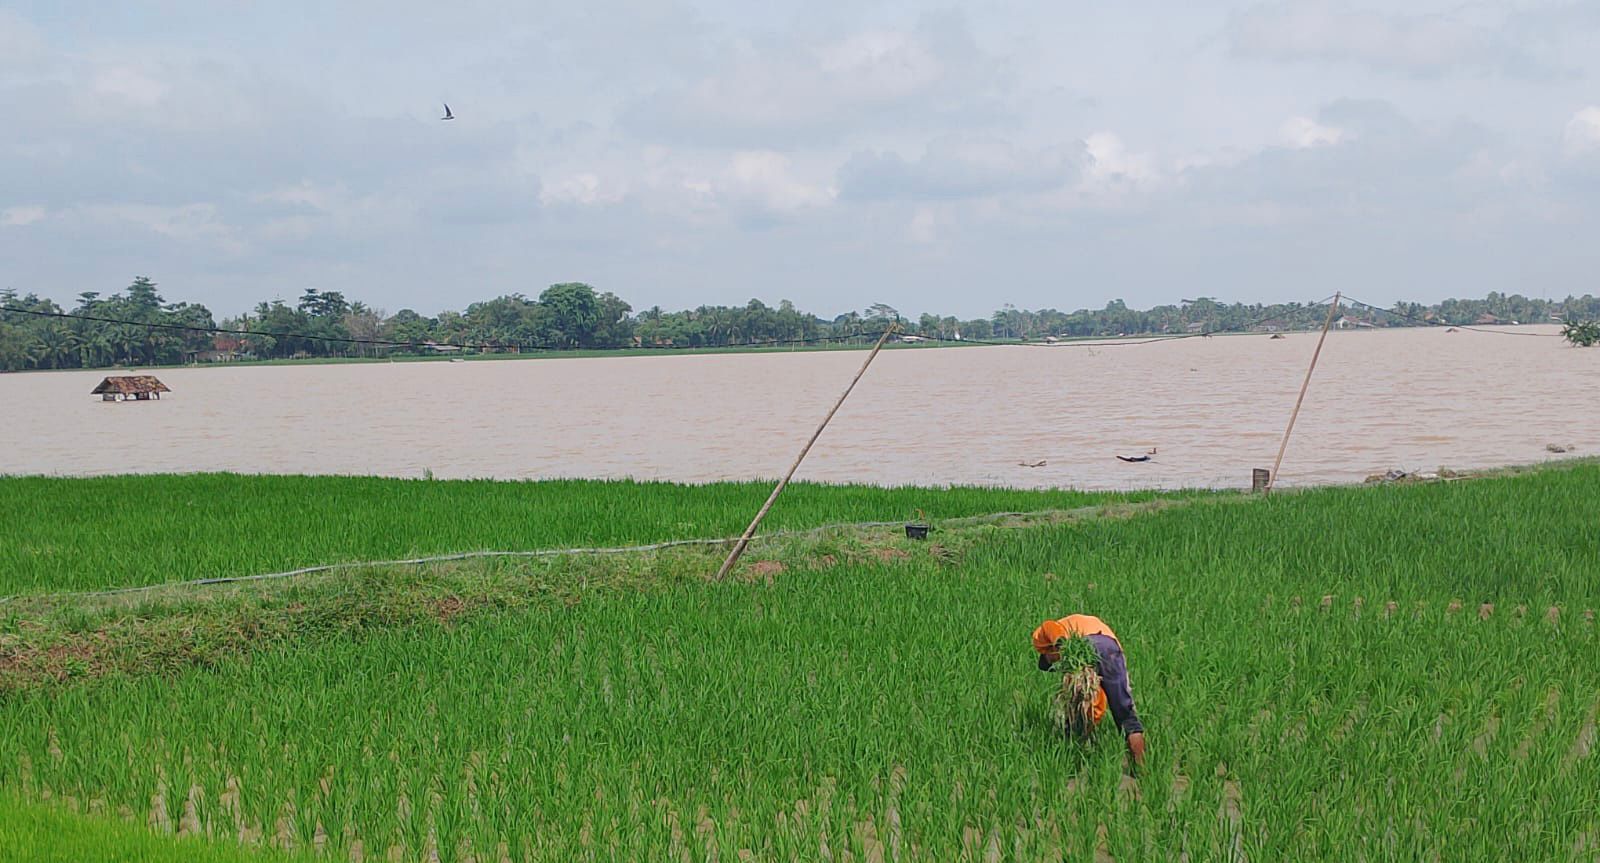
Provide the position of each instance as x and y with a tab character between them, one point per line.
196	223
1325	30
765	182
585	188
848	133
924	226
20	42
1302	133
335	212
770	93
1111	161
880	67
130	85
960	166
16	217
306	194
1582	135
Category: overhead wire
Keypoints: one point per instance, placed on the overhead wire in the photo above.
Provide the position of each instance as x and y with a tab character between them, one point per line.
1434	323
538	346
429	345
521	345
1090	342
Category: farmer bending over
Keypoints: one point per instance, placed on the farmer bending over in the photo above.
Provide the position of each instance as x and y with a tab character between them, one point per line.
1112	668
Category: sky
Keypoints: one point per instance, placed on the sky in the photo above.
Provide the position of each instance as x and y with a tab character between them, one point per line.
936	158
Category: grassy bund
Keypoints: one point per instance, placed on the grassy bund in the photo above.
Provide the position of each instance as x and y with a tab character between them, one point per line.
1397	672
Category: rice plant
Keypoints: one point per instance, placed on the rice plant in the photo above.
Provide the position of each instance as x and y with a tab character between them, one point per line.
122	531
1074	704
1349	689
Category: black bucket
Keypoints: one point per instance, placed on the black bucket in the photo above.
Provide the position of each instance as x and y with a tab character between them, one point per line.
916	531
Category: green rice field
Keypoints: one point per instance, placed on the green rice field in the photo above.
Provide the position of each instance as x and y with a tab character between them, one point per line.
1405	672
122	531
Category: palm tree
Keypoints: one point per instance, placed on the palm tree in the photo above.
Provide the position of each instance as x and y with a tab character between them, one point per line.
92	348
126	340
56	344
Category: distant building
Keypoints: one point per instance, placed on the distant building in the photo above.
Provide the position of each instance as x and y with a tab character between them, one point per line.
1487	318
130	388
223	349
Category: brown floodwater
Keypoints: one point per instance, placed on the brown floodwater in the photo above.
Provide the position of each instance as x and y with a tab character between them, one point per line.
1213	408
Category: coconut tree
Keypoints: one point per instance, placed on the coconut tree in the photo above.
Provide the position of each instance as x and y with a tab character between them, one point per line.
54	346
93	347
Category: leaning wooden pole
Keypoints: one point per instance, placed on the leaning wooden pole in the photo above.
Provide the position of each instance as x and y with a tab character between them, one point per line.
738	548
1332	310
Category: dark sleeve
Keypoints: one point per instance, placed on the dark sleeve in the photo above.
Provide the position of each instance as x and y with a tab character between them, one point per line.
1044	664
1113	668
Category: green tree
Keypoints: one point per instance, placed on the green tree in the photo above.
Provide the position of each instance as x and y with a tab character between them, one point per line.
1583	334
614	329
142	297
574	314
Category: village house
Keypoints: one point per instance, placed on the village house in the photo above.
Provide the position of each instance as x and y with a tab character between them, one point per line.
224	349
130	388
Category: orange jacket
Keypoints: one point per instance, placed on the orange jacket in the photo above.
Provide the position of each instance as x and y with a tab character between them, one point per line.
1045	636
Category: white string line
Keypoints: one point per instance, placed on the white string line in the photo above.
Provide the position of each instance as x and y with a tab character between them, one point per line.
565	552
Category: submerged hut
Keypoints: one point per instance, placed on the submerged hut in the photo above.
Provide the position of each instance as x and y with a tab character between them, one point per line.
130	388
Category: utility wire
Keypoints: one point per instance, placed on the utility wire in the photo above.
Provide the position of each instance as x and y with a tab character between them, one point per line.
1433	323
1090	342
534	346
807	340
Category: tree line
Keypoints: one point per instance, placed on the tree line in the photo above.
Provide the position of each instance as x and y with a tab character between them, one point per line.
138	327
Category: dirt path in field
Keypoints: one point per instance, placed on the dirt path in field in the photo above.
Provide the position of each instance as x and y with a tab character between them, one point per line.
999	519
54	639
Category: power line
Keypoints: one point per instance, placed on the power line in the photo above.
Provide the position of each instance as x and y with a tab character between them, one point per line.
430	345
1095	343
536	346
1433	323
434	345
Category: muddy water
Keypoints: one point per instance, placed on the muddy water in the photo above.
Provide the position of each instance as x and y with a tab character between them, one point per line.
1213	408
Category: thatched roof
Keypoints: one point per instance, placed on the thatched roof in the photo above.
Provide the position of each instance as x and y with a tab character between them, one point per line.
130	385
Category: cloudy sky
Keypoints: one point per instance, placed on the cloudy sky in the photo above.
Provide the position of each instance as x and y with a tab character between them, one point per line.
832	153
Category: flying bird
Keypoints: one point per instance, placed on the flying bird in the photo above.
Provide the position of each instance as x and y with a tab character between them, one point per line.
447	114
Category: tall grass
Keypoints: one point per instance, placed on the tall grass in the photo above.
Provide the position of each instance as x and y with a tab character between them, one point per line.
892	710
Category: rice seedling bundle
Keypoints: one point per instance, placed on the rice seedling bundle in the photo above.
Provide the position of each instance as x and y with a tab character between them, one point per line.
1074	702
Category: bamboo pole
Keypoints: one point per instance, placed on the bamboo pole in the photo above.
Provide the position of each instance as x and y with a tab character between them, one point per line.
1332	310
744	540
